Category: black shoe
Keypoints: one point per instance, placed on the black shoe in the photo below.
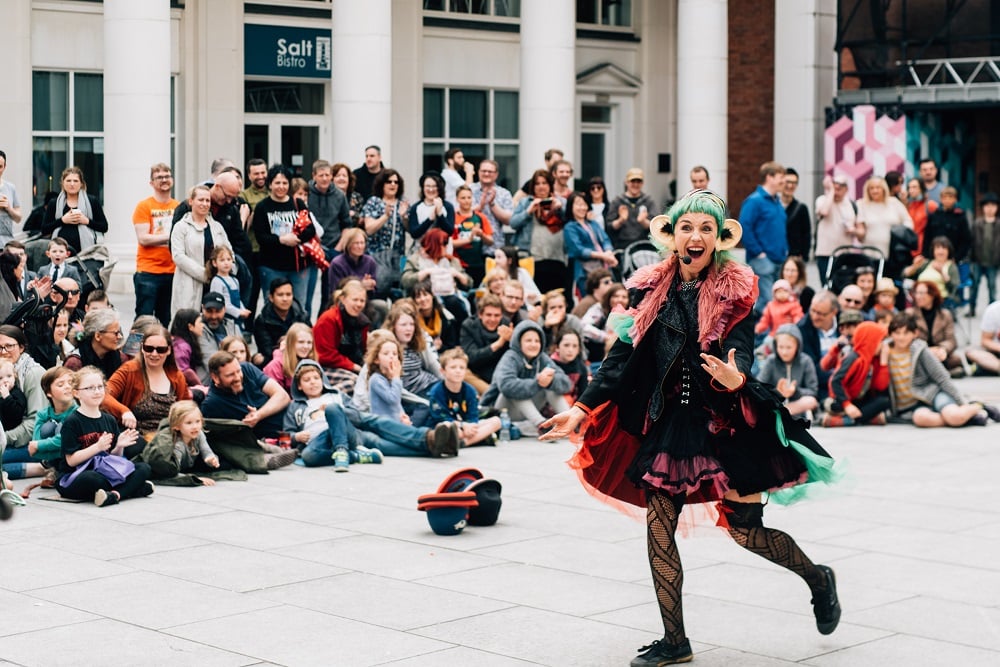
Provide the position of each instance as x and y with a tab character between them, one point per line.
661	653
992	411
439	440
826	606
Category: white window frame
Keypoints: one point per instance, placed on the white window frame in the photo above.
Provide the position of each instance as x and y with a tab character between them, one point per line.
490	142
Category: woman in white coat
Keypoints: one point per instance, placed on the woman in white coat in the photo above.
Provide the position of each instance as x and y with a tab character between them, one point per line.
188	248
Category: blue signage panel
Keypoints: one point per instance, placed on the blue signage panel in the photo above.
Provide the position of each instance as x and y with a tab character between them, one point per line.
272	50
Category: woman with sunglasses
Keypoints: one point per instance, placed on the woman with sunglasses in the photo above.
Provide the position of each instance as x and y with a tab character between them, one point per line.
597	198
384	219
140	393
101	342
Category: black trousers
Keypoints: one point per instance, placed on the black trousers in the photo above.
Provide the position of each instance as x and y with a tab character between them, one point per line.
88	483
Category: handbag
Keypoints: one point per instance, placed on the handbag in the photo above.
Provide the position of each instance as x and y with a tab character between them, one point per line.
113	468
389	269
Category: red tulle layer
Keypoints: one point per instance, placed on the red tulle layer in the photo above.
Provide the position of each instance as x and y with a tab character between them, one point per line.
700	478
602	459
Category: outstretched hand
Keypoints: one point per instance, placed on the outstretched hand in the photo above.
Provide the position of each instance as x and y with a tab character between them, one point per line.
563	424
726	373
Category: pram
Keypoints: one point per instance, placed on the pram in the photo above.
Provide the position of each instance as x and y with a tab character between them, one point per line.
846	260
637	255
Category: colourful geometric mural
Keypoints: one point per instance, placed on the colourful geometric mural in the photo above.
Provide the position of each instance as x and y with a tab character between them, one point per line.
864	146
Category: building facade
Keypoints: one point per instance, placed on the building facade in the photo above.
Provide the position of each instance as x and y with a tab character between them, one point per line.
118	85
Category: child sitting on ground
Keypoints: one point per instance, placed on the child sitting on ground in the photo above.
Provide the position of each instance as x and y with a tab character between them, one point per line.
316	420
384	360
454	400
13	402
885	301
191	449
791	372
859	386
567	357
526	379
847	323
783	308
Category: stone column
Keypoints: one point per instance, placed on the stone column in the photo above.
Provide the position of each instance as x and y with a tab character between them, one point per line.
804	84
15	130
702	91
136	110
547	100
361	104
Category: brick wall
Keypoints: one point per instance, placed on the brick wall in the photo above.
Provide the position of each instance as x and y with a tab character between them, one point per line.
751	94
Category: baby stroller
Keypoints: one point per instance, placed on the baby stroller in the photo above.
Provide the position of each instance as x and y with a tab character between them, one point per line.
846	260
637	255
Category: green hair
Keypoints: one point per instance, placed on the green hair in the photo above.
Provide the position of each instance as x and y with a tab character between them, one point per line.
709	203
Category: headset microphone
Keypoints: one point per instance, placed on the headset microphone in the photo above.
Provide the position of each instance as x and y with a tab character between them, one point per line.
685	259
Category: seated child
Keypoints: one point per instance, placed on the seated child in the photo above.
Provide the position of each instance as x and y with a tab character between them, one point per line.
453	399
783	308
384	360
859	386
13	402
526	379
45	446
847	321
90	433
316	420
567	357
885	301
791	371
368	436
191	449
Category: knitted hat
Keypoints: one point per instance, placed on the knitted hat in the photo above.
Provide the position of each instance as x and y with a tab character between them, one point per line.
781	284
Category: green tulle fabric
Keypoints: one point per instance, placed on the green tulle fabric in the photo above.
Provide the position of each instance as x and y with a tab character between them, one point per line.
621	323
820	470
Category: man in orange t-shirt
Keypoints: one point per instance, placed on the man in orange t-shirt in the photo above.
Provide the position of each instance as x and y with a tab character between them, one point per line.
154	266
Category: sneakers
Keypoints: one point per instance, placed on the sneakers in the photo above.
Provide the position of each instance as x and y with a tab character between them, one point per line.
281	459
878	420
105	499
992	412
826	606
147	490
341	459
832	421
661	653
443	440
365	455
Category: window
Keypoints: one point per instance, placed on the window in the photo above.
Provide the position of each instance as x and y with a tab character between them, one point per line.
510	8
605	12
283	97
67	129
483	123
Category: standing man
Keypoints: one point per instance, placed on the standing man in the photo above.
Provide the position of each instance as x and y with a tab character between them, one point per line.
330	208
797	223
10	205
257	175
631	210
154	266
699	178
836	221
929	177
551	156
764	235
365	174
562	173
456	172
493	201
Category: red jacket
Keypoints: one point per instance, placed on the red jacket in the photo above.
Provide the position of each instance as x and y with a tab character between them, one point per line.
327	332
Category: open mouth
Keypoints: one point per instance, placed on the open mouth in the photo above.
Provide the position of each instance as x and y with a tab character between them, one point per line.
695	252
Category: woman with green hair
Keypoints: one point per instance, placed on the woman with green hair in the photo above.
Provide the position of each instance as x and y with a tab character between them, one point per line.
674	418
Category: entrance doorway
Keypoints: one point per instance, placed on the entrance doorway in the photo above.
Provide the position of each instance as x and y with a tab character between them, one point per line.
291	142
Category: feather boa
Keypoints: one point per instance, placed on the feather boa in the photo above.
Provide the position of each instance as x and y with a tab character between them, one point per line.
724	298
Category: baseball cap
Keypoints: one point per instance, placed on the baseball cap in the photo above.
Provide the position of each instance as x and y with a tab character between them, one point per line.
213	300
840	179
634	174
850	316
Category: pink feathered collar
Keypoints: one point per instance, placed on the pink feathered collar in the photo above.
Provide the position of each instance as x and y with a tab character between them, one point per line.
724	298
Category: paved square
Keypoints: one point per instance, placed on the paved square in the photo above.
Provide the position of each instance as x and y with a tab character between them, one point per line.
308	567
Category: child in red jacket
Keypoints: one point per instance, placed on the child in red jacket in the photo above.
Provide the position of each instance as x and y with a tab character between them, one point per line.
858	387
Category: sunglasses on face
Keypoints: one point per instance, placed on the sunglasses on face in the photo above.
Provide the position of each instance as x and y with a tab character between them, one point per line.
158	349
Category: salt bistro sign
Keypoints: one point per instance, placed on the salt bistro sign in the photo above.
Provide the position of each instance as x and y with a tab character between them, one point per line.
285	51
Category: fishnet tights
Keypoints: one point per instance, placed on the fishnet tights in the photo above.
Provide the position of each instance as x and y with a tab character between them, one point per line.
665	563
780	549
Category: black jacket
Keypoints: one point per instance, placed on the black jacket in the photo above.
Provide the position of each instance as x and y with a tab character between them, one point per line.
268	328
798	229
954	225
476	341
